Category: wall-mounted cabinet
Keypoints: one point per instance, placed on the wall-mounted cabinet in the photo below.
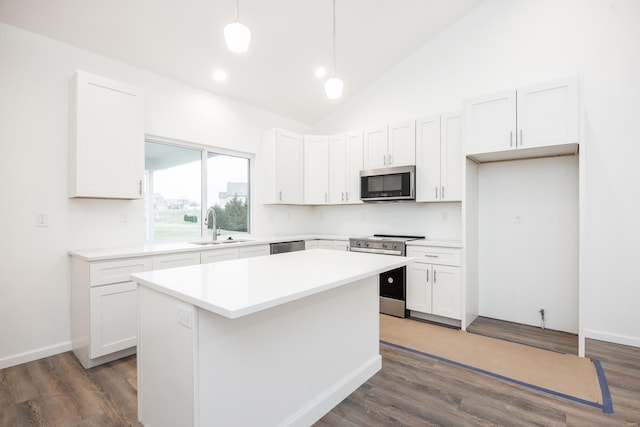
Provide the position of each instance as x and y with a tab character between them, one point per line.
316	169
345	163
439	158
106	138
393	145
534	121
283	163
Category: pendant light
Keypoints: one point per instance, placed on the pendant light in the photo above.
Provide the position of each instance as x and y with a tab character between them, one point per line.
237	36
334	85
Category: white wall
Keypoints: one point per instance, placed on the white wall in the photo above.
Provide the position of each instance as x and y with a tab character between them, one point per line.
503	44
528	241
34	266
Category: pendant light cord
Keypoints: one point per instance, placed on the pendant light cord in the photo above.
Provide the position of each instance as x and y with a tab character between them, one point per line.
237	10
334	38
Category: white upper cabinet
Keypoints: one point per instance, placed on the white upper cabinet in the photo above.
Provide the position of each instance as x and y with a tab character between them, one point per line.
316	170
375	148
394	145
354	166
345	152
439	158
534	121
338	158
283	167
106	138
402	144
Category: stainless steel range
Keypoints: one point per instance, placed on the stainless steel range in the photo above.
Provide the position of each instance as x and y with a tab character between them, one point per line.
393	287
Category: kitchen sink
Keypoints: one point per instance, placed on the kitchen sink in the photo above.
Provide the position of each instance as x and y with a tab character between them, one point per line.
219	242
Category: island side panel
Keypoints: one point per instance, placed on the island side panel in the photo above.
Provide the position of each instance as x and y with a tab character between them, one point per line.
290	364
166	350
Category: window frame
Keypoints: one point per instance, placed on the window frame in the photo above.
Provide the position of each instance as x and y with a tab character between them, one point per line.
204	150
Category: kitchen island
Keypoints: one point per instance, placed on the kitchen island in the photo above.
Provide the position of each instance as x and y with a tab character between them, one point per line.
270	341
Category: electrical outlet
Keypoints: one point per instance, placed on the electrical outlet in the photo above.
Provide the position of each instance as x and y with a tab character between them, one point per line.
42	219
124	218
184	317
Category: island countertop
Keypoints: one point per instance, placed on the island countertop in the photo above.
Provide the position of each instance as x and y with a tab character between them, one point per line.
240	287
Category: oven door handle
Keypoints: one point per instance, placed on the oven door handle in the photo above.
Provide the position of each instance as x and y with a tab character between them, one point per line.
377	251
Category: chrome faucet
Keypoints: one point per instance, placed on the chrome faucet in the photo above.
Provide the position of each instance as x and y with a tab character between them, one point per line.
213	220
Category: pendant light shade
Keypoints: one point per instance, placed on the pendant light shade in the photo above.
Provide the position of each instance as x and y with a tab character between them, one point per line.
333	86
236	35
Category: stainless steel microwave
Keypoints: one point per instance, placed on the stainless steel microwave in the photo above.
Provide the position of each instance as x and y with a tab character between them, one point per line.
396	183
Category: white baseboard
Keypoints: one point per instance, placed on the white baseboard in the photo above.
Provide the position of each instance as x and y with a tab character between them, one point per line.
611	337
30	356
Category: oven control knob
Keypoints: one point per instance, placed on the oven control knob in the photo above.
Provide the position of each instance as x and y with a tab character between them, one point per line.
384	245
390	280
366	244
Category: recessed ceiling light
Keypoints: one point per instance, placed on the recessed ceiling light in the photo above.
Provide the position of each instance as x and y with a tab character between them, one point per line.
320	72
219	76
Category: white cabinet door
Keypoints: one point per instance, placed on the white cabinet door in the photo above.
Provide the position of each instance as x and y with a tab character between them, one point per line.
176	260
402	144
325	244
355	148
337	169
106	139
548	114
113	318
446	291
341	245
253	251
375	148
428	159
289	167
451	158
311	244
217	255
490	123
316	170
419	287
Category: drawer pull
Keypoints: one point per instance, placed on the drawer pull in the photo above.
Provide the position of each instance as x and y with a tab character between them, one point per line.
432	256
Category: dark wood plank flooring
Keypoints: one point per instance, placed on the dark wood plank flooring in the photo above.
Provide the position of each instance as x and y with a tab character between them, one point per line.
411	390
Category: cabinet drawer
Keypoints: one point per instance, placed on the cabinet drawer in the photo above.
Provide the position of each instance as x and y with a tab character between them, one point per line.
176	260
217	255
102	273
435	255
251	251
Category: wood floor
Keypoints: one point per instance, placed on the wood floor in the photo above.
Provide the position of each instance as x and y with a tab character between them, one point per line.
411	390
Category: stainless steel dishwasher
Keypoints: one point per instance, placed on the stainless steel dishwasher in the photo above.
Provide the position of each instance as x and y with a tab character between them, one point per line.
282	247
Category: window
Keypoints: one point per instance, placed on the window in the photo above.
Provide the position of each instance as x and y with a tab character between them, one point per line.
184	181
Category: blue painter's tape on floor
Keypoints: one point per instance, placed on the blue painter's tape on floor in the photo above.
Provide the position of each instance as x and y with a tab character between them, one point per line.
606	407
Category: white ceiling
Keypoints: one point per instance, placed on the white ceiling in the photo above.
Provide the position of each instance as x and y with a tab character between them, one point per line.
183	40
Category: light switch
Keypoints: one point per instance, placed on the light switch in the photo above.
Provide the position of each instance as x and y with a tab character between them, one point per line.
42	219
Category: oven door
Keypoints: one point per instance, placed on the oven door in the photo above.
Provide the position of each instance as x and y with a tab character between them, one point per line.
392	284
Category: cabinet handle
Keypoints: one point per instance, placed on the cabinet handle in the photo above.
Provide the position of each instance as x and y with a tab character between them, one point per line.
140	187
342	198
521	137
511	138
346	196
427	276
390	162
434	276
431	256
442	193
280	196
384	160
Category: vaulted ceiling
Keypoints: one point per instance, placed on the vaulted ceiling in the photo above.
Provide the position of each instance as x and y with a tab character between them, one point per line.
183	40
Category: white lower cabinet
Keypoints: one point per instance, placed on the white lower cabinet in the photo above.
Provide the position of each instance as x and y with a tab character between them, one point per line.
434	281
114	318
253	251
338	245
217	255
311	244
161	262
104	309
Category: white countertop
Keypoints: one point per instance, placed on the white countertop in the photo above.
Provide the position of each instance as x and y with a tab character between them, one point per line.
240	287
168	248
